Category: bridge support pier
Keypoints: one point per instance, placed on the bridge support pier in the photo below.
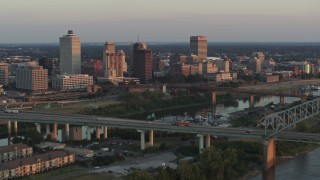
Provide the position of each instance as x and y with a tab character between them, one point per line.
47	129
208	142
67	131
54	134
151	137
251	101
88	133
9	127
281	100
38	126
98	132
105	132
200	142
142	139
214	97
269	153
15	127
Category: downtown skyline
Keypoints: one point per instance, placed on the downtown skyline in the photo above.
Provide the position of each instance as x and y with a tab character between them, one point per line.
37	21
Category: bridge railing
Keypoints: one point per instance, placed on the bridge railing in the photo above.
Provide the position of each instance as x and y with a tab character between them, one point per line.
284	119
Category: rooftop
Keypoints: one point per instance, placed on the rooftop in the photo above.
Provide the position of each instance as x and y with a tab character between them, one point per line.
12	147
33	159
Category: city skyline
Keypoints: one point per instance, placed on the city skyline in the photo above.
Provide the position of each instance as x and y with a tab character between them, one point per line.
37	21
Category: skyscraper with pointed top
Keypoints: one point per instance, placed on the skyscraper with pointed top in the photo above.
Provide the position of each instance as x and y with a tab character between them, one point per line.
70	54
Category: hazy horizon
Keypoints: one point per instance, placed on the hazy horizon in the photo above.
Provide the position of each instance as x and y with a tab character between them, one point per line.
37	21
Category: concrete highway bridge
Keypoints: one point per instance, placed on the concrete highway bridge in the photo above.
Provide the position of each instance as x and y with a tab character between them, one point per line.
269	136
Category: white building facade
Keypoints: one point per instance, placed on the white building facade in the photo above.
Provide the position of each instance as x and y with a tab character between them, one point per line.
70	82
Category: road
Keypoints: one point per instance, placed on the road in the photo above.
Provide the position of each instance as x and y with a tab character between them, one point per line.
46	117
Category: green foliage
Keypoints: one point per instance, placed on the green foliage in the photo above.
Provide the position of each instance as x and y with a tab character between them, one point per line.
306	127
284	148
155	149
186	171
139	175
220	165
302	126
250	120
167	174
33	136
145	102
106	160
188	150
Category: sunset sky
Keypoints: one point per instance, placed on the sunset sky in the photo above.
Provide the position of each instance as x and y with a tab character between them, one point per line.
44	21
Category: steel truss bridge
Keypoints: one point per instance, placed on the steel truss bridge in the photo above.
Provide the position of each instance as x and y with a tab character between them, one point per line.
282	120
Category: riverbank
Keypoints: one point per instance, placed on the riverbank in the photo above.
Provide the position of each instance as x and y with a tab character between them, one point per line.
279	161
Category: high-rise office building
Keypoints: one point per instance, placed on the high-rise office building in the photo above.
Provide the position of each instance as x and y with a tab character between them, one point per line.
114	63
46	63
110	46
32	78
70	54
93	68
142	62
4	74
256	61
199	46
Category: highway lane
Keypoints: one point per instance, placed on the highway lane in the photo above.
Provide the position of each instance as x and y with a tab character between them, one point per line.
43	117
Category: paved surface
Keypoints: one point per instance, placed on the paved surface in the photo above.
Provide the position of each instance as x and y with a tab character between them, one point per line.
93	121
143	163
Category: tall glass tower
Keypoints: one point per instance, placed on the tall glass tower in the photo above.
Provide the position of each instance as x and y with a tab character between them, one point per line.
70	54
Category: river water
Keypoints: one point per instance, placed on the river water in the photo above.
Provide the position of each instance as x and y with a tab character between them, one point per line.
303	167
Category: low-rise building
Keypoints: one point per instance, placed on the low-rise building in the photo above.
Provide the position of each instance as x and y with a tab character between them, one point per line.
70	82
272	78
51	145
15	151
35	164
223	77
80	152
32	78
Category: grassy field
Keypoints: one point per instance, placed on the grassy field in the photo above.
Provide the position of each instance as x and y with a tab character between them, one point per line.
57	172
95	176
75	108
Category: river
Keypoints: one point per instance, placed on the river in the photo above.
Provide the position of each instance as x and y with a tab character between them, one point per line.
303	167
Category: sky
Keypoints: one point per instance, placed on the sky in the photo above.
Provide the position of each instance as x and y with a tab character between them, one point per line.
44	21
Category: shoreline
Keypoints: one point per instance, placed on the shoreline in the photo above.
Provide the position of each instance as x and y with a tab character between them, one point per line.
280	160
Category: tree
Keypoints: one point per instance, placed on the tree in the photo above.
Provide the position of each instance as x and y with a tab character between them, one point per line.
185	171
220	165
166	174
212	163
139	175
302	126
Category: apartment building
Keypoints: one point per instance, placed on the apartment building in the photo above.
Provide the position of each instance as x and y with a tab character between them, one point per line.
32	78
35	164
15	151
